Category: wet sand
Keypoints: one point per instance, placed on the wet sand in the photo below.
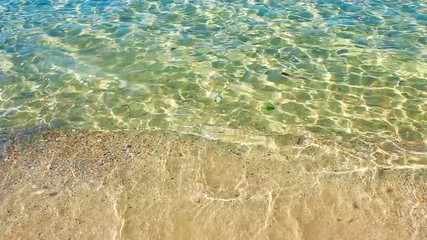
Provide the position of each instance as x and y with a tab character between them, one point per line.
160	185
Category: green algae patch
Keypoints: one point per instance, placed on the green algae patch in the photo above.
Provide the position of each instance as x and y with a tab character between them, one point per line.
270	108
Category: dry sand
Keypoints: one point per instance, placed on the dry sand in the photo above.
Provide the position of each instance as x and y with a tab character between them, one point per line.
158	185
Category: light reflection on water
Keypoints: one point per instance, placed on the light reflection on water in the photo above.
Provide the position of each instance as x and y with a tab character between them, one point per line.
332	68
326	100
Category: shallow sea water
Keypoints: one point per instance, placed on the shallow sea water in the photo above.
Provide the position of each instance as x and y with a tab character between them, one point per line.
162	185
213	119
335	67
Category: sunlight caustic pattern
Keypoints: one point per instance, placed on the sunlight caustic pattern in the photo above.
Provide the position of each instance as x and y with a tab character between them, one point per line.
339	69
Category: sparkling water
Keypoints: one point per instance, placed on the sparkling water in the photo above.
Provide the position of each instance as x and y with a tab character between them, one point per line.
338	69
317	110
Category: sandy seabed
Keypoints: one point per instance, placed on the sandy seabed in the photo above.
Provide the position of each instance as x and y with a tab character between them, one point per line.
163	185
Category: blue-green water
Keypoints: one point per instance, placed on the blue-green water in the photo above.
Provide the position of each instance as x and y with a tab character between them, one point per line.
333	68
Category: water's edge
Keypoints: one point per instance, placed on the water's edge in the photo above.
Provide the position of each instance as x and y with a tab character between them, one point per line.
156	184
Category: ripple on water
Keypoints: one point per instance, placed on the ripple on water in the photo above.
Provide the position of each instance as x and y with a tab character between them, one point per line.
331	67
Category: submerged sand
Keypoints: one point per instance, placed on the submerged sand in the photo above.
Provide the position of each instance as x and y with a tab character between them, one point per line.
159	185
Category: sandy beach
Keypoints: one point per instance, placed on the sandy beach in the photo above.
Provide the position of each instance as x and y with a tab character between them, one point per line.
143	119
164	185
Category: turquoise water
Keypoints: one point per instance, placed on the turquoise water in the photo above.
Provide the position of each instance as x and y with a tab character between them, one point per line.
338	69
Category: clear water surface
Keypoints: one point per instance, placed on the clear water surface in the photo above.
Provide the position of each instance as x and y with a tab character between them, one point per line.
338	69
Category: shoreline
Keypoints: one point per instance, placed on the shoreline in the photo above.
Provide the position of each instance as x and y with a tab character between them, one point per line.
157	184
